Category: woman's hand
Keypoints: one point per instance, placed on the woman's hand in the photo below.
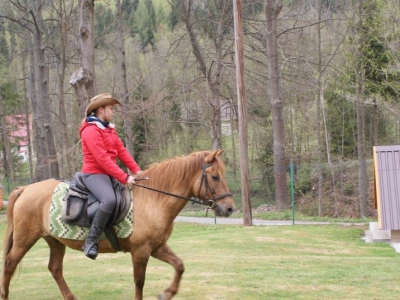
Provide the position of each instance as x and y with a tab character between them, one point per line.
131	180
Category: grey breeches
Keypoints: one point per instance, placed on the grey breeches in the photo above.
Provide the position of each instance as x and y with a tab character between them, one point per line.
101	187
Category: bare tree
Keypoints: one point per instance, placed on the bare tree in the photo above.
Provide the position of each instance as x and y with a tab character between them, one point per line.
272	10
28	16
49	165
124	93
212	69
64	14
5	139
83	80
359	70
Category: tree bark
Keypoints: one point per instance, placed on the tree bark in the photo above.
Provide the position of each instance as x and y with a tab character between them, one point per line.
360	93
83	79
40	171
65	140
272	10
8	157
47	165
124	92
212	75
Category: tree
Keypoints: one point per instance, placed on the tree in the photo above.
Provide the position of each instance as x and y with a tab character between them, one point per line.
7	155
28	17
216	28
83	80
272	10
124	93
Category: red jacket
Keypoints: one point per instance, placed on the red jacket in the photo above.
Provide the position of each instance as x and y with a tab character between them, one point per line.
100	147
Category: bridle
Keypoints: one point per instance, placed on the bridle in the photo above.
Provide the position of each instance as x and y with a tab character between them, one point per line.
211	202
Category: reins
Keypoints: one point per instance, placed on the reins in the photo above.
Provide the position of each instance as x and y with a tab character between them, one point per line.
169	194
204	180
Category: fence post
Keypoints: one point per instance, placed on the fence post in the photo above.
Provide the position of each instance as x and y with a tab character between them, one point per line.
292	189
8	185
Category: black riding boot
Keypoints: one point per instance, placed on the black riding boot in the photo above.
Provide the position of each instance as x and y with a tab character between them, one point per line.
99	222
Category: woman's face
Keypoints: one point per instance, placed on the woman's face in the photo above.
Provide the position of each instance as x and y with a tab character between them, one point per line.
106	113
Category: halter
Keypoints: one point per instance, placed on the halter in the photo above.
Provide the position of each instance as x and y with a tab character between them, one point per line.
211	203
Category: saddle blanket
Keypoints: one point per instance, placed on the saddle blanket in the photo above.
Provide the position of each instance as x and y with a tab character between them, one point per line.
63	230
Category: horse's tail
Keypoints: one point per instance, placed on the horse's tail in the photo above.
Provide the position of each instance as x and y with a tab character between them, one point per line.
8	237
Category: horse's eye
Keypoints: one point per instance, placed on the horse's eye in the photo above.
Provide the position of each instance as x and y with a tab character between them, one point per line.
215	177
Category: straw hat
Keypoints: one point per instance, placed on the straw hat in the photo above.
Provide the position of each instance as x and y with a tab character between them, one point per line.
99	101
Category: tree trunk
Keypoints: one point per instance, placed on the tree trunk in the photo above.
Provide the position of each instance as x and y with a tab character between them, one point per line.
272	10
65	141
8	157
360	79
28	121
83	79
49	166
212	75
124	93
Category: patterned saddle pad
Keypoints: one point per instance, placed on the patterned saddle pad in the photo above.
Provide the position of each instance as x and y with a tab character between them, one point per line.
63	230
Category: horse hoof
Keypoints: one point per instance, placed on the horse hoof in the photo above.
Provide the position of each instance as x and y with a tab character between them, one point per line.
164	296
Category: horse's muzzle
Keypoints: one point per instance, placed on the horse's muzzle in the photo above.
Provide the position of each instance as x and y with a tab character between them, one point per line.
224	209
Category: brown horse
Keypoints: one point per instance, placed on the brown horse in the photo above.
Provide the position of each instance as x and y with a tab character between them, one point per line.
201	175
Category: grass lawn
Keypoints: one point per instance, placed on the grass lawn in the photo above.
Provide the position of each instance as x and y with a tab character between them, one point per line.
231	262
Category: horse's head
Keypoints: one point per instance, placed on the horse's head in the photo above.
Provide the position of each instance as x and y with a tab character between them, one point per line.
212	189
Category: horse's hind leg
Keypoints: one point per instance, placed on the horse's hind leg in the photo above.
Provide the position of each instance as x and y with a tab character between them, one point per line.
164	253
57	252
12	259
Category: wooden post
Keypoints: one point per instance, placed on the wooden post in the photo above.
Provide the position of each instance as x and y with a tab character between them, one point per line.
1	196
242	111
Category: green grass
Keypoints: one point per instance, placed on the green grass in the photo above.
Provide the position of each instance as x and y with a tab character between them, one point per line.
232	262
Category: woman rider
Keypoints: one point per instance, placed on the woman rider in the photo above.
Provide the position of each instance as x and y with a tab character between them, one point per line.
100	148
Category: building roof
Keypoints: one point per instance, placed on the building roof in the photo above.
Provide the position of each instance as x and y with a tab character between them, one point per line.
17	129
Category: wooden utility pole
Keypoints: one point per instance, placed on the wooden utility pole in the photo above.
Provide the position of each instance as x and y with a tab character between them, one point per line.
242	111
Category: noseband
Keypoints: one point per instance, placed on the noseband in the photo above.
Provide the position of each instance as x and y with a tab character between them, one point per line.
211	202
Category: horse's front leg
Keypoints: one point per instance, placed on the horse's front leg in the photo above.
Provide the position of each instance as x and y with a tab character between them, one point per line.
57	252
164	253
140	258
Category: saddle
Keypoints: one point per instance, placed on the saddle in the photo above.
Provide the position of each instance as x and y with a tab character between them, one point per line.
79	206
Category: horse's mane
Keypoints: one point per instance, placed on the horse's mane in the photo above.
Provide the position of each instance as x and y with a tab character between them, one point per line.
173	172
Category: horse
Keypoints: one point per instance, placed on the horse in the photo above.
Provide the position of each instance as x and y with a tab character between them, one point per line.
200	175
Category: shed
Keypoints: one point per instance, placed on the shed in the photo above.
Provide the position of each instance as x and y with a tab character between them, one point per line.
387	188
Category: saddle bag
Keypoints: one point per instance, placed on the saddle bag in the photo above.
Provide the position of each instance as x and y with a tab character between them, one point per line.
74	202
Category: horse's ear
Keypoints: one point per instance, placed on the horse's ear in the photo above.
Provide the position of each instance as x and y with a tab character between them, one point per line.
210	157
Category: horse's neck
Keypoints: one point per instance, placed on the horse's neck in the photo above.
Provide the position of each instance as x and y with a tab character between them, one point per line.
162	195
